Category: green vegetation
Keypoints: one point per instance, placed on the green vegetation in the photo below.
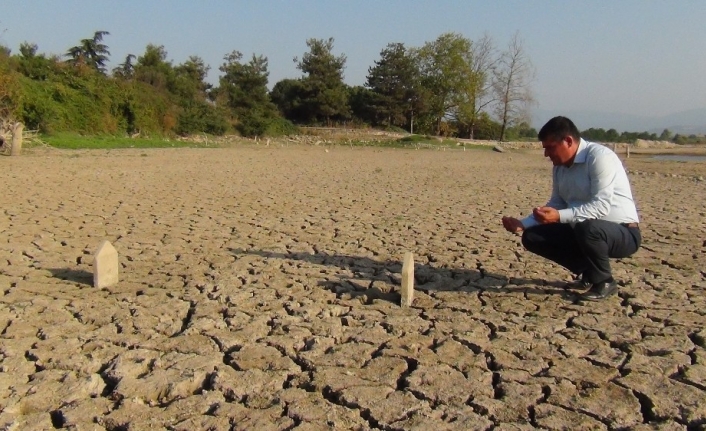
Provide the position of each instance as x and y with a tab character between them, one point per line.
612	135
72	141
426	141
442	88
451	87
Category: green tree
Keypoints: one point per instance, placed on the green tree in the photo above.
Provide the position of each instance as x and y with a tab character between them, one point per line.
445	73
153	68
666	135
395	80
521	131
325	93
126	69
612	135
593	134
364	103
486	128
190	79
33	65
9	88
679	139
288	95
192	92
28	50
91	52
244	88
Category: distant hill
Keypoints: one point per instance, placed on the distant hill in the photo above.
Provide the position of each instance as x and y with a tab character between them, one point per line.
688	122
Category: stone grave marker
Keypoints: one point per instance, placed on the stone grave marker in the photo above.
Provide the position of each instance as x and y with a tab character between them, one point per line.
407	288
105	265
16	146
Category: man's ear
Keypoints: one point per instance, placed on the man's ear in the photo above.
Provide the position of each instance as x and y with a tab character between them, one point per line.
570	140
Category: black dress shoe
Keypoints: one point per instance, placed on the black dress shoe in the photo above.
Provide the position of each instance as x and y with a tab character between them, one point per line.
579	283
600	291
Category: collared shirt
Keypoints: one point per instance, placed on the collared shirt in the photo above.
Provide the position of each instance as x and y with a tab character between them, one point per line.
595	186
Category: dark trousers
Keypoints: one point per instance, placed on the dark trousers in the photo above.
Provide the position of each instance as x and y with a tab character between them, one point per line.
584	248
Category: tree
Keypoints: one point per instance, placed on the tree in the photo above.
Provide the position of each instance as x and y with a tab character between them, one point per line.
612	135
445	72
189	79
395	80
666	135
126	69
244	87
9	90
288	95
33	65
511	84
480	95
593	134
364	105
192	92
91	52
325	93
28	50
153	68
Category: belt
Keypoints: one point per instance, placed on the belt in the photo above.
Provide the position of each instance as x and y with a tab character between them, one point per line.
635	225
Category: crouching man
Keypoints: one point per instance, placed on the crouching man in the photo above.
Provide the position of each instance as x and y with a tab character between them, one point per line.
590	217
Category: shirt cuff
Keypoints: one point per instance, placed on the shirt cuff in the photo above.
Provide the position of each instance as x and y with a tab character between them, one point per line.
529	221
566	215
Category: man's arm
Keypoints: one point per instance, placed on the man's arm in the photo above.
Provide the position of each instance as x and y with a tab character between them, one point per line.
555	201
602	172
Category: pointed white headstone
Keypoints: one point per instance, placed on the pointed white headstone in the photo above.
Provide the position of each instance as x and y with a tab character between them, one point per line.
105	265
407	288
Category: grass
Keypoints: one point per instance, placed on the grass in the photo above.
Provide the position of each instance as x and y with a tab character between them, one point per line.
75	142
106	142
432	141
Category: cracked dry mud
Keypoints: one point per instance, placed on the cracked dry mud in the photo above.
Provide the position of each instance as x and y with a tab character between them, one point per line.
258	290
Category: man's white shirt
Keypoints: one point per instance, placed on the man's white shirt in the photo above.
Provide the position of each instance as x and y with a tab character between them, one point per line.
595	186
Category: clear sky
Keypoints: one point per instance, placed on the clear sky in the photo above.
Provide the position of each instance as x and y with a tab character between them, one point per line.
639	57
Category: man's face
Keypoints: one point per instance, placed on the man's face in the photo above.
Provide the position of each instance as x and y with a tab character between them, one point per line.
560	151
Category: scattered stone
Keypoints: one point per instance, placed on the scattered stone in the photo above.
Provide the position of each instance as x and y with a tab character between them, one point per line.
105	265
407	288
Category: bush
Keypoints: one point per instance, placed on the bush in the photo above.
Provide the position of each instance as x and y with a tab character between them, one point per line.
394	129
281	127
417	138
200	117
252	125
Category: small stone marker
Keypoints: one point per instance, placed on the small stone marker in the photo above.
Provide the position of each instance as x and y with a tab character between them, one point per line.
105	265
16	146
407	288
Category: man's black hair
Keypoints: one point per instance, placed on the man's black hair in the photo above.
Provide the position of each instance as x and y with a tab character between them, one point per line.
557	128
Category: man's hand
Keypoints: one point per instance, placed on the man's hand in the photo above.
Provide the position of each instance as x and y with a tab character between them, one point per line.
512	224
546	215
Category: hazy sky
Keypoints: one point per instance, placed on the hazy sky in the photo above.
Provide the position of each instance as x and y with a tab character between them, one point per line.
641	57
